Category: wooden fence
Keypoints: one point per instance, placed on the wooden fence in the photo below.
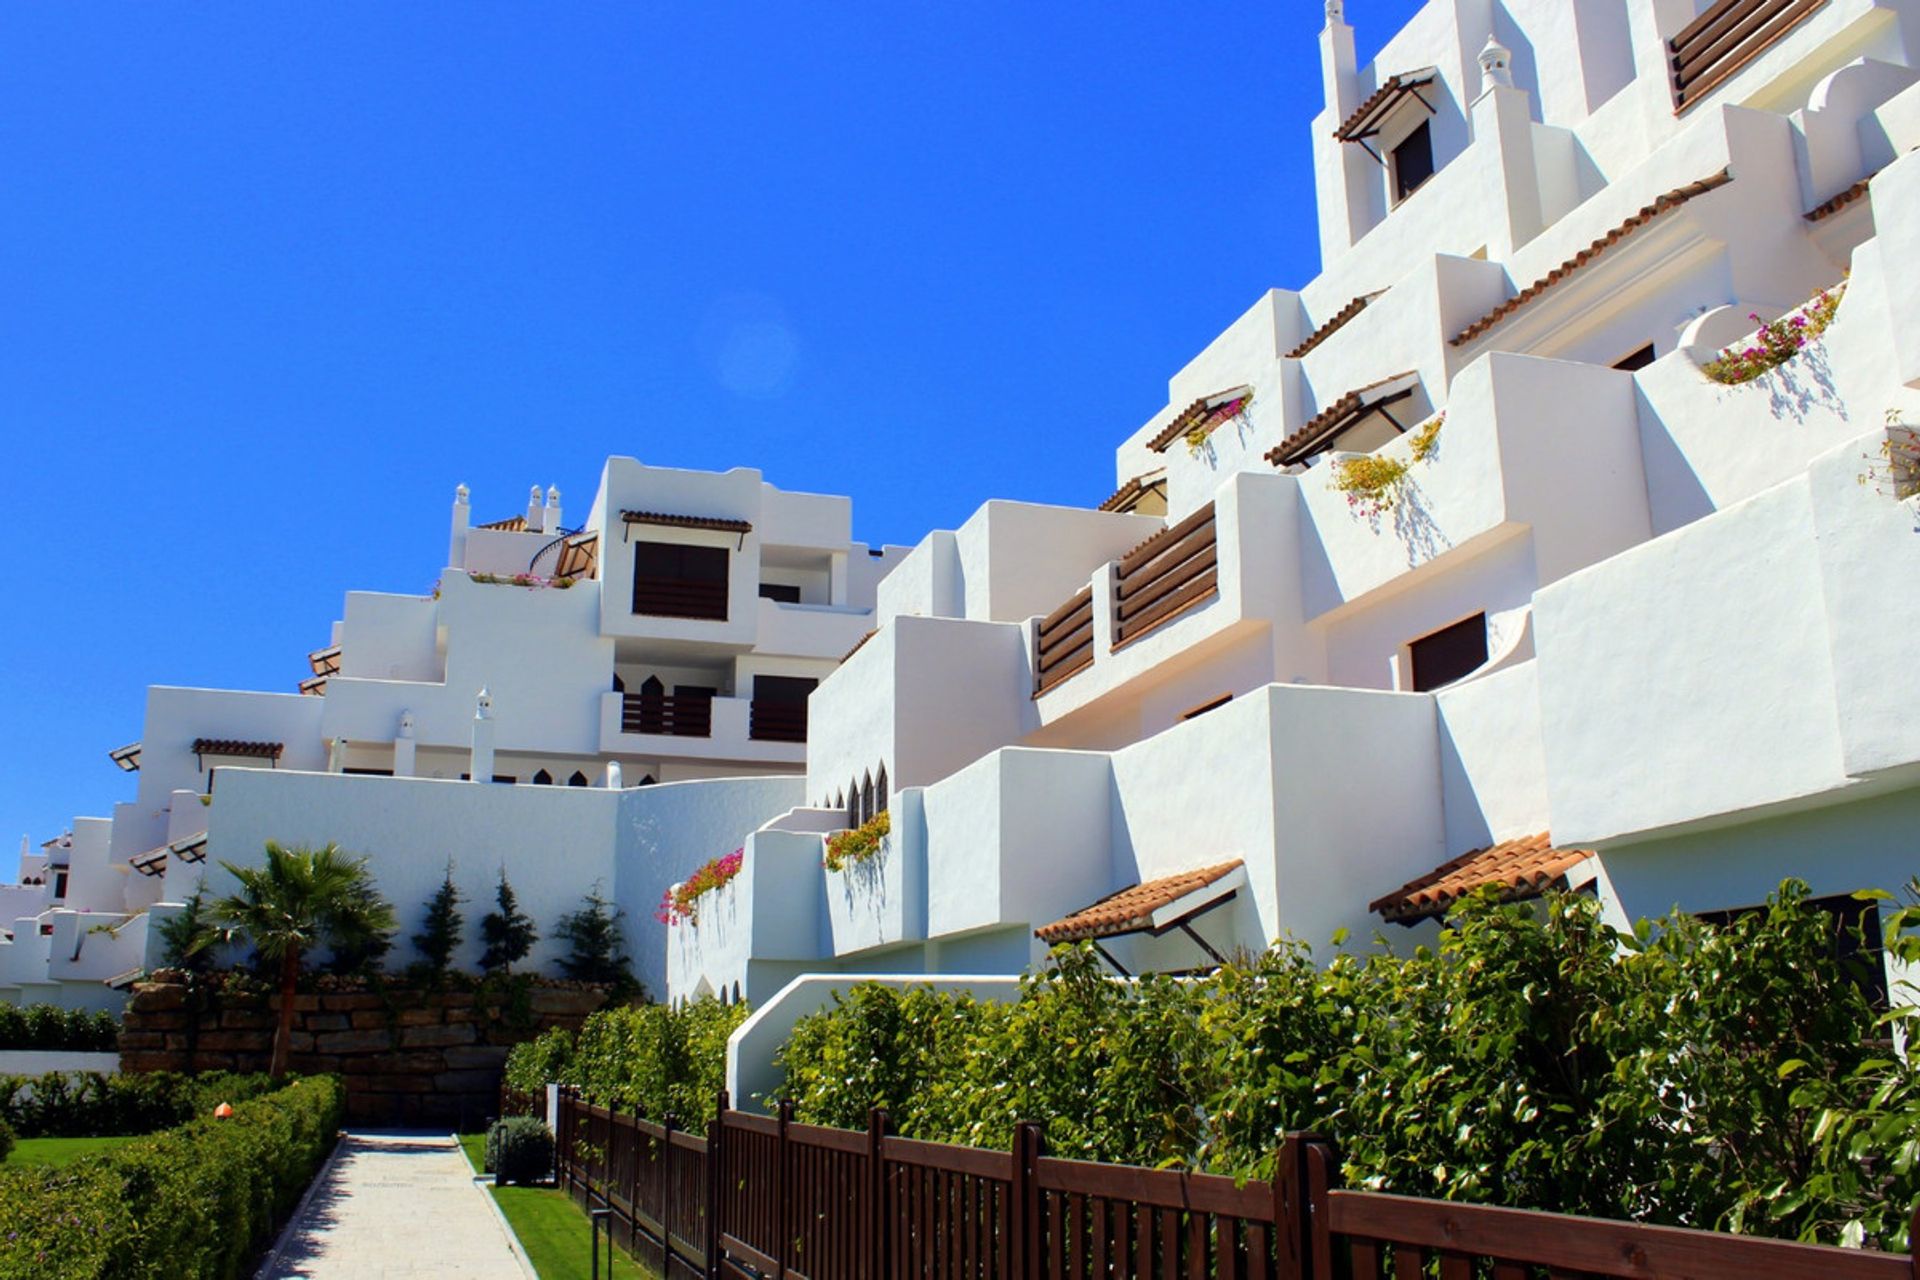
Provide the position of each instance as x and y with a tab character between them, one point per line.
1171	572
766	1196
1065	642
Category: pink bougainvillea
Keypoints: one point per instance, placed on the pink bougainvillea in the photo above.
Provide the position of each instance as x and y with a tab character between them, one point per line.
681	903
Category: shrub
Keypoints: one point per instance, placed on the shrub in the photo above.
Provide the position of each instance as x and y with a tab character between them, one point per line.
89	1105
851	848
681	902
6	1141
198	1201
442	928
659	1062
50	1027
507	931
519	1150
596	944
1696	1075
1775	343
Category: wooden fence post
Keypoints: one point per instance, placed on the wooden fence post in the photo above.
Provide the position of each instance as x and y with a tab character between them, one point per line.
1316	1177
782	1210
1023	1197
877	1233
1292	1240
663	1211
716	1142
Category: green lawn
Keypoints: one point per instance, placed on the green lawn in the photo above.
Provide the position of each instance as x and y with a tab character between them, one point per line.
56	1152
551	1228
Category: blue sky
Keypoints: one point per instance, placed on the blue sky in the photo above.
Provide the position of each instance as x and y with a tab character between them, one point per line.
275	278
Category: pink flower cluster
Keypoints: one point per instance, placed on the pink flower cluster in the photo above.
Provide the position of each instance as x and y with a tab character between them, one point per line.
681	903
1773	344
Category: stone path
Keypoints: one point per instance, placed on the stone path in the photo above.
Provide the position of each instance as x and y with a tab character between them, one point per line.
398	1204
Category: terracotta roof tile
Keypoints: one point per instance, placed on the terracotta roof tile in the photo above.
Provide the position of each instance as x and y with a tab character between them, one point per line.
127	757
1827	208
1522	868
1395	87
315	686
1132	909
1670	201
237	747
724	524
1333	324
1323	423
325	661
1204	412
1123	498
861	643
512	524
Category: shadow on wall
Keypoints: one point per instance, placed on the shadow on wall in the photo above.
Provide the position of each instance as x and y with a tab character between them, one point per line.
1679	498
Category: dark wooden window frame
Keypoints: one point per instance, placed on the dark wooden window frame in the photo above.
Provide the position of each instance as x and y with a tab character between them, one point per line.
1450	667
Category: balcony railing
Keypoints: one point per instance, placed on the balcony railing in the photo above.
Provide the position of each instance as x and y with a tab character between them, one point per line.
1065	642
681	598
1168	574
777	721
675	715
1729	35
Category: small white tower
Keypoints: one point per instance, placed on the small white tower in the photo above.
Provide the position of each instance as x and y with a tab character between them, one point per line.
405	749
553	524
480	769
536	503
337	756
1496	66
457	544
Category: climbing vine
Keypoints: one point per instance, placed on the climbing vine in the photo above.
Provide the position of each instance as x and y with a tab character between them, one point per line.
1374	483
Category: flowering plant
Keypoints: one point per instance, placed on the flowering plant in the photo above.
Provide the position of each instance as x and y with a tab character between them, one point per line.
1897	464
522	580
1196	435
682	901
849	848
1374	484
1774	344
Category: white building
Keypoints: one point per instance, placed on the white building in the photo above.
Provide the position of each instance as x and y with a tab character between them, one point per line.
1452	567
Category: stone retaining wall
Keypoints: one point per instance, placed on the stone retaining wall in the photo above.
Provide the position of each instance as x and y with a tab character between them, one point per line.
408	1057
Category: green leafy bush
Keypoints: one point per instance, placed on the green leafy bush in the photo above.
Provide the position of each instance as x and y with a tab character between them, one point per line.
519	1150
6	1141
662	1063
90	1105
49	1027
199	1201
1728	1077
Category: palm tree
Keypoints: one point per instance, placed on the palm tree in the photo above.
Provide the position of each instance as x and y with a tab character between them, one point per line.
301	899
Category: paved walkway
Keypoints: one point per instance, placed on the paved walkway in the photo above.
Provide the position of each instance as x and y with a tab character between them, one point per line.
398	1204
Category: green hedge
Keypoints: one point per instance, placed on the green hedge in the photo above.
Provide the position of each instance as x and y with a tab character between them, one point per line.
49	1027
89	1105
1727	1077
651	1059
197	1202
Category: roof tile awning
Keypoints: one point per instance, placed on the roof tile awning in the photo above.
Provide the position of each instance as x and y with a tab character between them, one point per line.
1342	414
1333	324
190	848
315	686
127	757
1152	907
1135	491
1204	413
512	524
1519	869
325	662
1371	114
1666	203
723	524
579	557
1827	208
151	863
239	748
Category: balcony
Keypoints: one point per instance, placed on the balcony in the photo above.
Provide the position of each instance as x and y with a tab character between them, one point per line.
776	720
705	600
674	715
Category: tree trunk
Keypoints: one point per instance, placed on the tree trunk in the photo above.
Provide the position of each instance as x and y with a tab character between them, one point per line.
283	1029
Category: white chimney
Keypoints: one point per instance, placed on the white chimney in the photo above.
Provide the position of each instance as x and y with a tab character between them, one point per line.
457	545
536	503
481	767
554	524
405	749
1496	66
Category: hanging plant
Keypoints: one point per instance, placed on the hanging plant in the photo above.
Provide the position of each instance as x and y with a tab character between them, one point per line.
1895	469
850	848
1772	345
681	903
1374	484
1197	434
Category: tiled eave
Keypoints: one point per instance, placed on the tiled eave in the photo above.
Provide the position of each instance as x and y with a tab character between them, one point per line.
325	662
720	523
1827	208
512	524
1515	869
1333	325
1130	493
1150	907
127	757
1665	204
1202	412
1340	415
239	748
1368	116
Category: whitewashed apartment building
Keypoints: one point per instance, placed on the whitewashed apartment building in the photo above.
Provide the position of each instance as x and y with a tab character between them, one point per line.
1600	621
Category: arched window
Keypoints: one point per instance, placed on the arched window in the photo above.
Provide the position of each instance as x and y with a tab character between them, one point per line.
543	779
646	780
866	800
853	802
619	685
578	779
880	787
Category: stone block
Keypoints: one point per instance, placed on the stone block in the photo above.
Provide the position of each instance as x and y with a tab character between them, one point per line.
325	1022
394	1062
371	1019
400	1084
469	1056
235	1042
556	1001
436	1037
353	1042
457	1000
140	1041
133	1063
467	1081
152	997
205	1061
248	1020
159	1022
352	1002
300	1042
421	1017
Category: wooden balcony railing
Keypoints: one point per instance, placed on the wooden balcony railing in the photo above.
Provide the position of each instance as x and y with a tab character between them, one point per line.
676	715
1173	571
1729	35
681	598
1065	642
774	720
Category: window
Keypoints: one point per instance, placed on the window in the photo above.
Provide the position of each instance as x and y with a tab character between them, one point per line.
59	884
780	591
578	779
880	788
1413	161
369	773
542	779
866	800
1449	653
1212	705
1857	940
1638	360
673	580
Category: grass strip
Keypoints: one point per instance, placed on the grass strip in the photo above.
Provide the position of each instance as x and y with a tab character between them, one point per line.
554	1231
58	1153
